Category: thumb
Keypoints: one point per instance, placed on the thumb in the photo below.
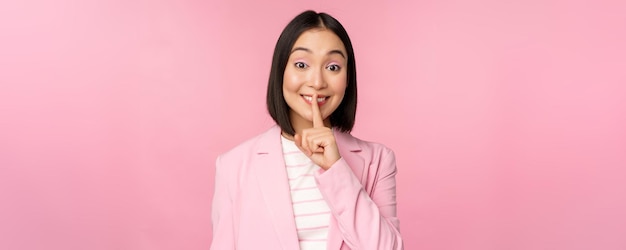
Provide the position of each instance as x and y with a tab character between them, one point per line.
298	139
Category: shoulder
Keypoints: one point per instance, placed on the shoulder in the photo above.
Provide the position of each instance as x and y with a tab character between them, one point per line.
376	146
248	146
375	149
378	159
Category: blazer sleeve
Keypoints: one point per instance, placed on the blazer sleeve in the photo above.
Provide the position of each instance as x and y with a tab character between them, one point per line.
221	211
366	221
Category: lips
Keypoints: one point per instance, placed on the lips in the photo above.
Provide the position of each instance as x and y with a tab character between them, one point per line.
320	100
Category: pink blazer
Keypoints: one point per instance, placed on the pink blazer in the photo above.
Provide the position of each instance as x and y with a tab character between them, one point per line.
252	204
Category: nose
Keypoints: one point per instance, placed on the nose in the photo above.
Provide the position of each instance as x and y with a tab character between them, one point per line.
317	80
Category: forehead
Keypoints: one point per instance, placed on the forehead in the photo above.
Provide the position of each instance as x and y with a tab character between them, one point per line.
319	41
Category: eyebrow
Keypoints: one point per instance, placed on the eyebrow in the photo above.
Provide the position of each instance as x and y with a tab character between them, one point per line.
335	51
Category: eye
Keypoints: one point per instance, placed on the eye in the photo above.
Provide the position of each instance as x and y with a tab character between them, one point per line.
300	65
333	67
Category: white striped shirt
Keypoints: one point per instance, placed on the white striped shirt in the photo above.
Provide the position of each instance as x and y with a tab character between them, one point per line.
312	214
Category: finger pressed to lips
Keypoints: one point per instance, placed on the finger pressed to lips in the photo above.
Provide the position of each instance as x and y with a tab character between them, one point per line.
318	120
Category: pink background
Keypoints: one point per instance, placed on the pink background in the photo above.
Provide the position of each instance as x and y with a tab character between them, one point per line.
508	119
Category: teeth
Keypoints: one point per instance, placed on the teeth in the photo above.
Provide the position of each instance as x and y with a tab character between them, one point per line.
310	98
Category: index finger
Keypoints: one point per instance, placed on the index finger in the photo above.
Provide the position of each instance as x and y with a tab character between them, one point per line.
318	120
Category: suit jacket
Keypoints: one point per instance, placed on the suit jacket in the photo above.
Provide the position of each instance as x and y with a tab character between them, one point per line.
252	204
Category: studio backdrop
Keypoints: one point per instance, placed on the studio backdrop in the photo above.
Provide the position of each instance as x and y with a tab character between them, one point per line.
508	118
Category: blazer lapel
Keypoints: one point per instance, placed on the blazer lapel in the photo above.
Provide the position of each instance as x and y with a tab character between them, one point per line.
269	167
350	150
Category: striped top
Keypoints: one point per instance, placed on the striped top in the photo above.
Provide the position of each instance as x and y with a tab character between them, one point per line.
312	214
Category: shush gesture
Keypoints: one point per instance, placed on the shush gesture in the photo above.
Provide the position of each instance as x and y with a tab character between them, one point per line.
318	142
312	81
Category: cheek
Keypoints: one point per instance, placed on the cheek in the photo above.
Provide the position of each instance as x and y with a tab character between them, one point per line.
339	90
290	81
339	86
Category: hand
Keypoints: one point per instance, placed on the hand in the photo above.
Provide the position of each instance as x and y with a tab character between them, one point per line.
318	143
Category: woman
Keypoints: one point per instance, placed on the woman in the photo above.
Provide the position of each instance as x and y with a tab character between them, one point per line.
306	183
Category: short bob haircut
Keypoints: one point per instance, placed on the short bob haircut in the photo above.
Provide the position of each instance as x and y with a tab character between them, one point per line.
343	117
